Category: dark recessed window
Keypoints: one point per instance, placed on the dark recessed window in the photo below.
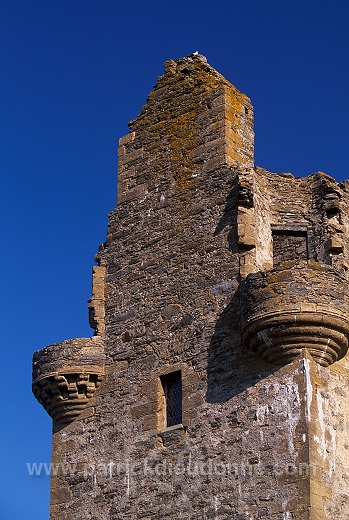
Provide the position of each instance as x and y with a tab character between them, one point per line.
289	245
172	387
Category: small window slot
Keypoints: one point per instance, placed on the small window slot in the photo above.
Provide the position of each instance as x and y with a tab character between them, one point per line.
172	392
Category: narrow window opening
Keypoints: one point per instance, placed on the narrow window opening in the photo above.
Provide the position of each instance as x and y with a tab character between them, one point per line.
172	390
289	245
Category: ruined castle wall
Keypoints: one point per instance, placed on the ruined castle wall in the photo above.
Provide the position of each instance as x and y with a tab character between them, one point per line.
193	220
172	303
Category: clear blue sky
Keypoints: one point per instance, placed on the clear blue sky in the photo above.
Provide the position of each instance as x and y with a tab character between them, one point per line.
73	73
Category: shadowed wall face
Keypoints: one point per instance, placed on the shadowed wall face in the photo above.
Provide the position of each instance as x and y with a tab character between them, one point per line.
205	258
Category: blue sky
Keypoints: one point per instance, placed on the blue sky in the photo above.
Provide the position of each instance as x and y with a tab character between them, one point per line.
73	73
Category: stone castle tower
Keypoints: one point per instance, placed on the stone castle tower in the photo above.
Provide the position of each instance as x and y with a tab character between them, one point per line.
214	386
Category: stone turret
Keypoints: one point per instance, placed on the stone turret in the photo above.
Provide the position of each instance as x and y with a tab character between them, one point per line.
297	305
66	376
214	384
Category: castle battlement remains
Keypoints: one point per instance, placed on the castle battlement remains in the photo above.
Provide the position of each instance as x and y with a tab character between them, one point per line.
214	386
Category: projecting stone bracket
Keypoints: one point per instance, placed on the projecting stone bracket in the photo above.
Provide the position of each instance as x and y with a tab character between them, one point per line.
246	225
65	395
66	376
334	245
280	337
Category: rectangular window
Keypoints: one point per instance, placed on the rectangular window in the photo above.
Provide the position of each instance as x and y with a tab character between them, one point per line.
172	391
289	245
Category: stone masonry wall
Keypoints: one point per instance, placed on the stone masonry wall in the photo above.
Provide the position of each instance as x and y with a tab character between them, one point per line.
193	220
